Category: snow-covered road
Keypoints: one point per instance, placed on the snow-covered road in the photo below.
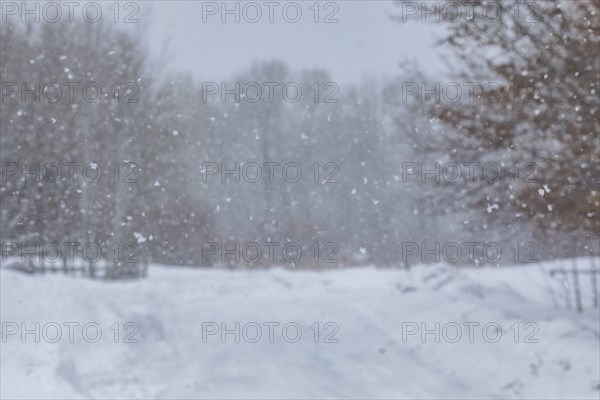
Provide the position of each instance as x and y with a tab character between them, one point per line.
361	335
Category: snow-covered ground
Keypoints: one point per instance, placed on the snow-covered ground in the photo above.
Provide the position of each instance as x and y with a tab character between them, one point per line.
369	310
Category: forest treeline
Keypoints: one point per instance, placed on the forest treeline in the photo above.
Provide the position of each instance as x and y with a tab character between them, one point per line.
172	162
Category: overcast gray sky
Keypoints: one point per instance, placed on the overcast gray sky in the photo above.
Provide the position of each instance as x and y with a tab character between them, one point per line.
365	41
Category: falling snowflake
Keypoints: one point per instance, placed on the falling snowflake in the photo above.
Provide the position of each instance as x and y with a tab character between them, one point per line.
139	237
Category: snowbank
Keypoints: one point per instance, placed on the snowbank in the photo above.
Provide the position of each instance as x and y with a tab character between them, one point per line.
374	315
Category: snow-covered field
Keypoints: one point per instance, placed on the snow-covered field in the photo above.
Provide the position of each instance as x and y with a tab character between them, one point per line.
371	307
